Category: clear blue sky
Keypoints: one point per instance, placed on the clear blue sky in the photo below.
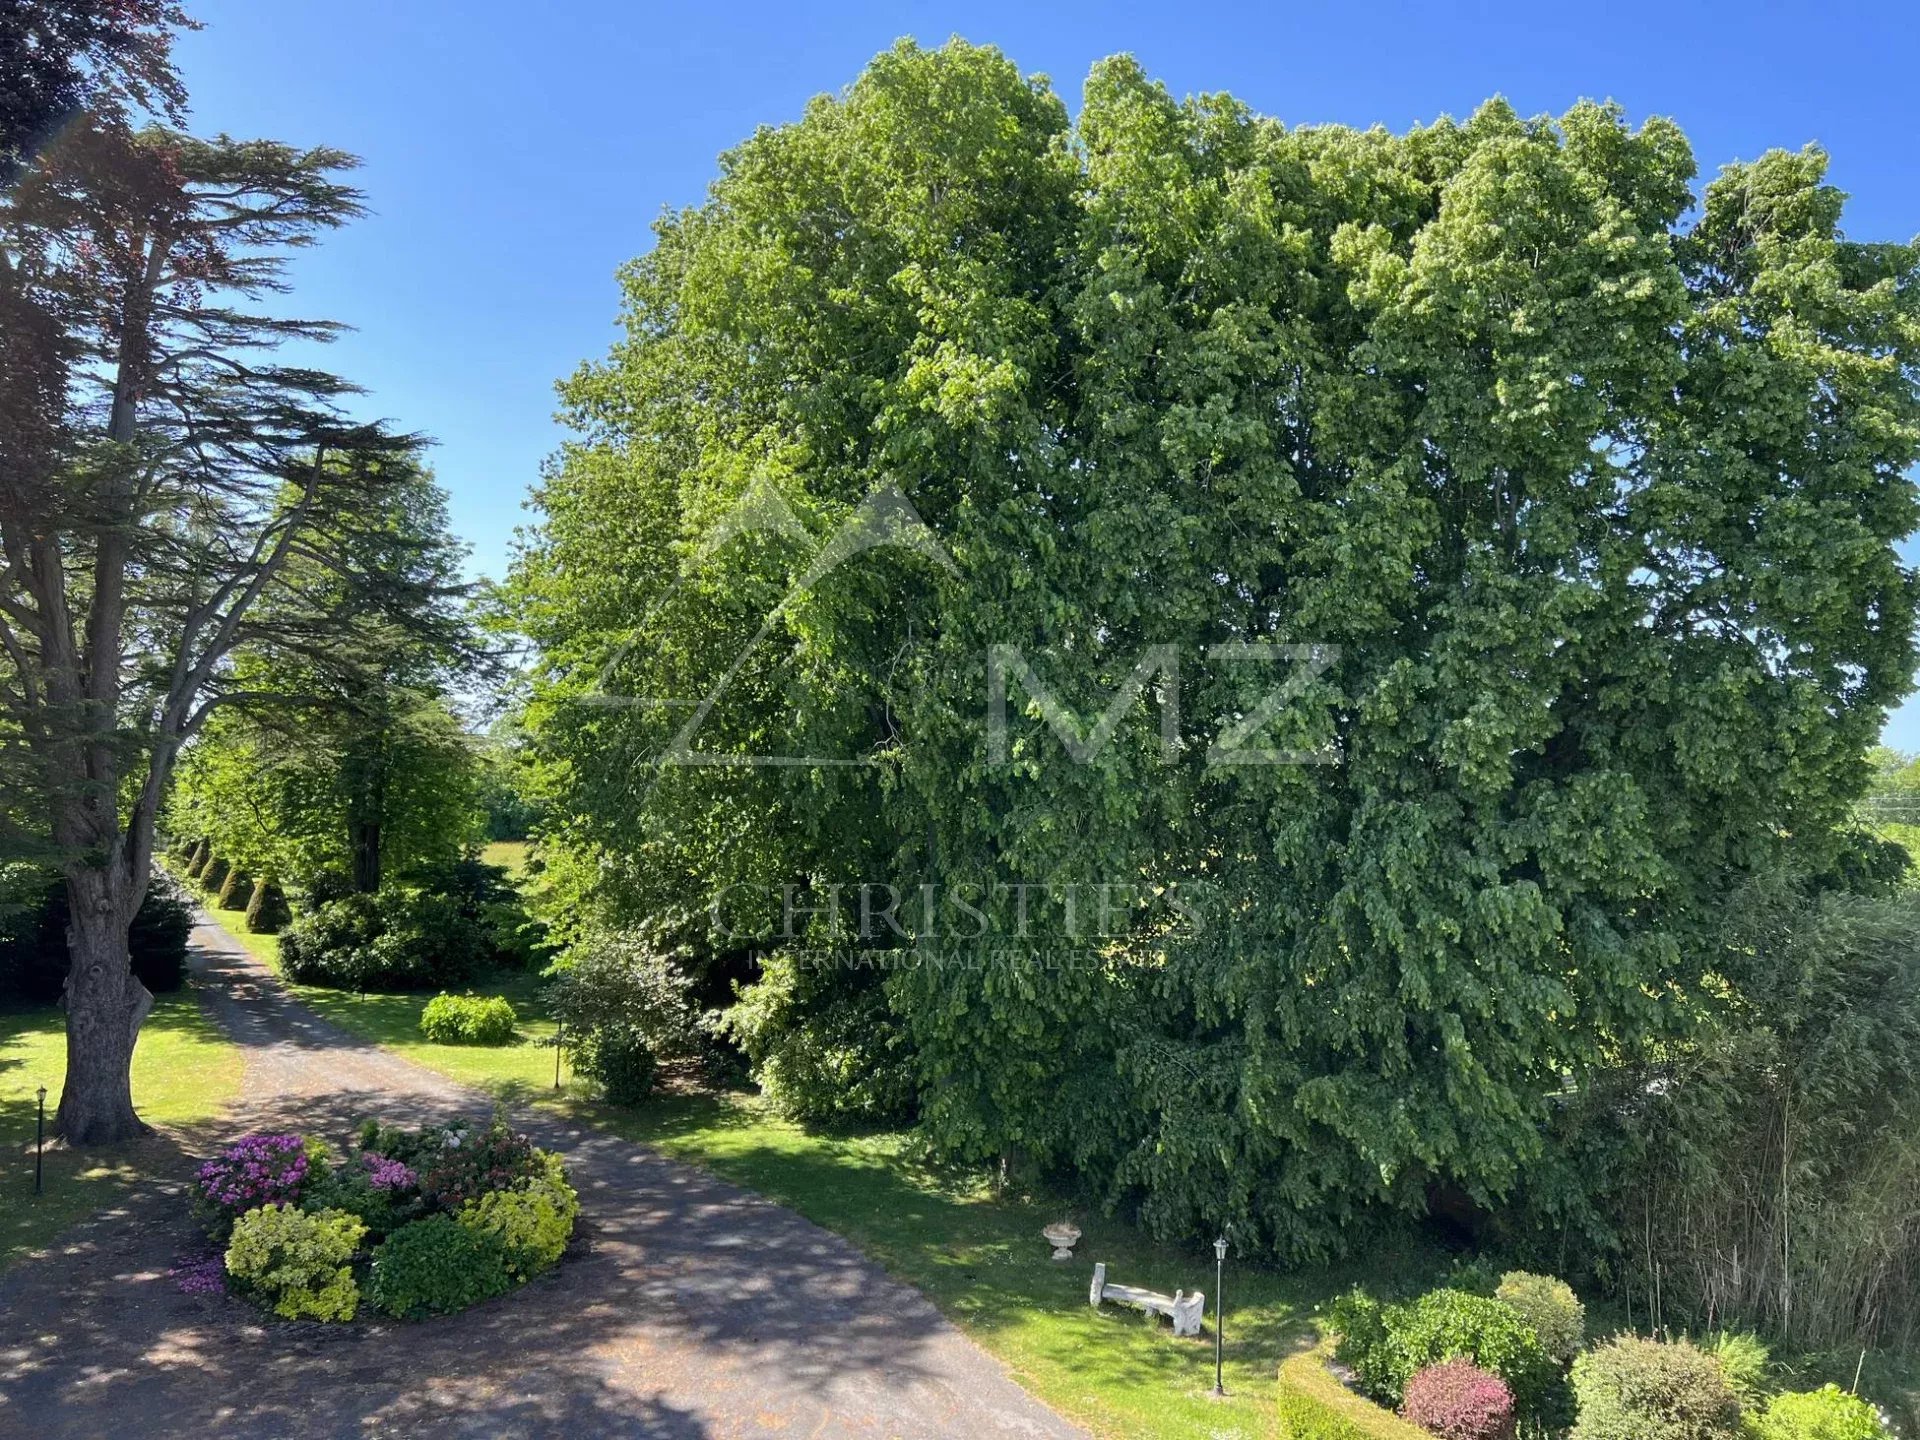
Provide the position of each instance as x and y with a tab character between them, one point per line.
517	153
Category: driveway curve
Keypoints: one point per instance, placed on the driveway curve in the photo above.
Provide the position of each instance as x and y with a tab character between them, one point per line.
696	1310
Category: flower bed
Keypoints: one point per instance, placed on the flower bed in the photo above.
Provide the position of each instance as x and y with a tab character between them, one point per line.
416	1222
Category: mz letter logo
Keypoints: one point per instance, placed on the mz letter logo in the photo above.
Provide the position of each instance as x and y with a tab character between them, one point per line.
884	518
1162	662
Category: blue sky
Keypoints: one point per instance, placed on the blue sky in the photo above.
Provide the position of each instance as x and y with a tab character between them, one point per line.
517	153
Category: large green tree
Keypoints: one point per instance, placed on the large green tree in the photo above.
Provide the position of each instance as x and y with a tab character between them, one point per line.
1572	492
160	471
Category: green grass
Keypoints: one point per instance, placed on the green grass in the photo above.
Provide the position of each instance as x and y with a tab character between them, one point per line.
520	1071
184	1071
509	855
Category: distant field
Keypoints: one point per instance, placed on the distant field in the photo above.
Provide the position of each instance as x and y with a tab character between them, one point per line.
510	855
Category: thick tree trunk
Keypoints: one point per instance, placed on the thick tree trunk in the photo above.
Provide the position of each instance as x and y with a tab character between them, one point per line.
364	837
105	1009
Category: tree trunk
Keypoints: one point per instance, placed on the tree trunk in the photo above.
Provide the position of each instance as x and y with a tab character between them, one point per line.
105	1009
364	836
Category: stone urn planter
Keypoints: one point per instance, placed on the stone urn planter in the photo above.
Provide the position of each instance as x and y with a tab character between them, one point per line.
1062	1235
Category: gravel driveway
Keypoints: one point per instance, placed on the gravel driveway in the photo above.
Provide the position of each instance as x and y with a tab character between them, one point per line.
696	1309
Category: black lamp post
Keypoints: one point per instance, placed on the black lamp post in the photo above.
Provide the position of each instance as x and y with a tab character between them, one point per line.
39	1137
1219	1309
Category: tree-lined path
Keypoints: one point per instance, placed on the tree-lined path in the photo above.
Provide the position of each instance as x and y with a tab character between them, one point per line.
696	1310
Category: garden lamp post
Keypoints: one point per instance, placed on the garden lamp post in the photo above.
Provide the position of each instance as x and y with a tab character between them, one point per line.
39	1137
1219	1310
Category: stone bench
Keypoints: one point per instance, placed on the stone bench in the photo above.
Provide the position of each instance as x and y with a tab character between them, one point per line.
1186	1311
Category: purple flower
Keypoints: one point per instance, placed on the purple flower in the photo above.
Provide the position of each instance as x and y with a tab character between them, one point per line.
255	1170
386	1174
200	1275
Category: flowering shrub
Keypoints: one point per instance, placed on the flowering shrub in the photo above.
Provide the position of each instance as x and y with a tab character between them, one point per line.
468	1165
453	1215
300	1264
532	1222
1457	1400
255	1170
386	1174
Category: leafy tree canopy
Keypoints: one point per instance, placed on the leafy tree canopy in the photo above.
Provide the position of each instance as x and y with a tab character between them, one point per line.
1583	483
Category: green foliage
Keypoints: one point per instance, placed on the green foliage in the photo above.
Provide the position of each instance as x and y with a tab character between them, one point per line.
213	874
1388	1344
1777	1154
1634	1389
399	939
1549	1305
298	1263
1745	1359
267	910
621	1006
820	1049
347	1189
236	891
1314	1406
1532	435
467	1020
197	862
436	1266
531	1222
1828	1413
34	957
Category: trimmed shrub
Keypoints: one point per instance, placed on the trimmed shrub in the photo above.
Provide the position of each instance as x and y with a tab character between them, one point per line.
532	1222
468	1020
235	890
1551	1307
299	1263
1634	1389
1457	1400
620	1007
1315	1406
213	875
1388	1345
1828	1413
267	910
197	861
436	1266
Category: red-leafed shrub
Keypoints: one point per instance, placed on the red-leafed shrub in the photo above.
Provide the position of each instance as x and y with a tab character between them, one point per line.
1457	1400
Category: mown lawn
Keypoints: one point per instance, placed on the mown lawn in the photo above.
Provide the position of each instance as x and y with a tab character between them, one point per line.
184	1070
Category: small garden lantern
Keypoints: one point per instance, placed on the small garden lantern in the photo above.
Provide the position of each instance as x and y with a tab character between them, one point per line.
1219	1310
39	1137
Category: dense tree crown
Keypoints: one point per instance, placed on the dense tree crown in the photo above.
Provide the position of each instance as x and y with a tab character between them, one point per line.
1584	485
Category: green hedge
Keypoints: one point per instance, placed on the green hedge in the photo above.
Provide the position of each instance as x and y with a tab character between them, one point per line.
1315	1406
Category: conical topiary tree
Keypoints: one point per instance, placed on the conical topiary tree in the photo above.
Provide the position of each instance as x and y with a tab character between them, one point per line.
267	912
214	875
197	860
236	891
